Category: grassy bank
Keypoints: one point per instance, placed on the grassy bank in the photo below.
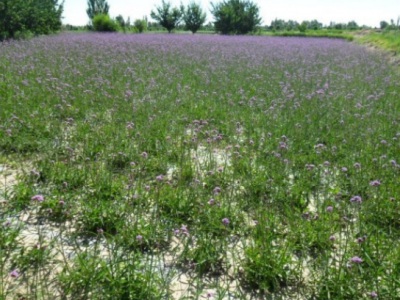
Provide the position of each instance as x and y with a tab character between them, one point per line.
386	40
315	33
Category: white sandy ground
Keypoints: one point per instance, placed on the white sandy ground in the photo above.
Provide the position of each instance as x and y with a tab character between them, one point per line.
35	232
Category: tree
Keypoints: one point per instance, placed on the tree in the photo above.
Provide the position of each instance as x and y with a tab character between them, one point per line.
193	17
384	24
303	26
97	7
314	25
44	16
235	16
20	17
277	24
352	25
140	25
166	16
121	22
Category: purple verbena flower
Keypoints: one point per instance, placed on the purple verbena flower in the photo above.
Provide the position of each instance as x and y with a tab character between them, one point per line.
375	183
184	230
356	199
373	294
38	198
14	274
217	190
356	260
225	221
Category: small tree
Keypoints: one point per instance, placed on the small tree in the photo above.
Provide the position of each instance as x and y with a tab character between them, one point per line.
167	16
140	25
277	24
352	25
121	22
314	25
193	16
303	26
236	16
97	7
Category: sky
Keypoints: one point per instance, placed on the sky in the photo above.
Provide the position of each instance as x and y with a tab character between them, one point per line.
364	12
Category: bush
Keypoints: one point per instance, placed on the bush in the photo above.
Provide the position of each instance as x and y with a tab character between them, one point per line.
140	25
104	23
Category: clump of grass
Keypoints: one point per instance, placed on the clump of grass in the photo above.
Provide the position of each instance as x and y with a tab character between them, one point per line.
317	33
387	40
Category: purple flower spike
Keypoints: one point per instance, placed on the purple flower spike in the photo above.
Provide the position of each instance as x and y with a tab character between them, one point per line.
356	260
375	183
38	198
329	209
373	294
217	190
14	274
356	199
225	221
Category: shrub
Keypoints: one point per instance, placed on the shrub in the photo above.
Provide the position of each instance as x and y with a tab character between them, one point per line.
140	25
104	23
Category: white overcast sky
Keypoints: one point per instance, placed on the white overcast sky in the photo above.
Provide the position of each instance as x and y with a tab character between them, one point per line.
364	12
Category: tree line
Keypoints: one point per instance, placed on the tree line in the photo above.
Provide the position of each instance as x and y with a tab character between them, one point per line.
231	16
20	18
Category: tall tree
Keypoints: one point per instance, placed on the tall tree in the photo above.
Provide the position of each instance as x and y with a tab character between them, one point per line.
97	7
193	16
35	16
166	16
235	16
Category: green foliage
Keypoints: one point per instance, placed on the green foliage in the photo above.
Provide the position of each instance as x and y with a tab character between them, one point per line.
302	27
194	17
166	16
387	40
121	22
18	18
352	25
384	24
123	278
236	16
104	23
140	25
97	7
279	24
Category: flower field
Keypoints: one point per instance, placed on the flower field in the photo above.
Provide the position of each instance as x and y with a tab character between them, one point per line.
198	167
